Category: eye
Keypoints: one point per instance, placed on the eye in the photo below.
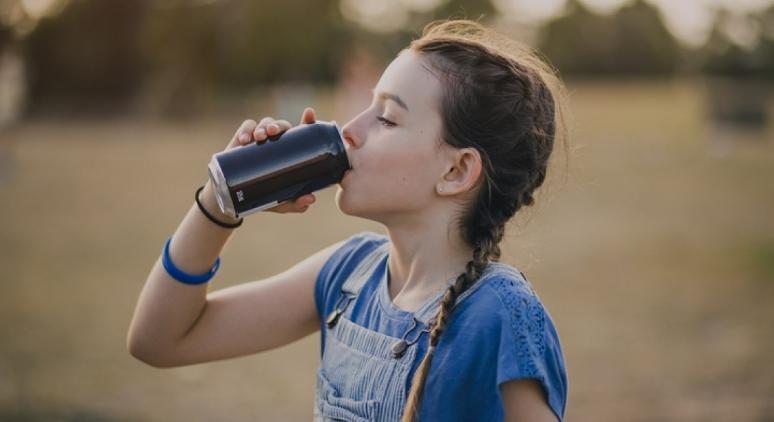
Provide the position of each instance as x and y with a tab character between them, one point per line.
385	122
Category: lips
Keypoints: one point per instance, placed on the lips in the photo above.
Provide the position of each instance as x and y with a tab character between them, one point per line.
351	167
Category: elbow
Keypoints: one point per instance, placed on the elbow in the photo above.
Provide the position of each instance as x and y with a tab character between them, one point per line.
147	355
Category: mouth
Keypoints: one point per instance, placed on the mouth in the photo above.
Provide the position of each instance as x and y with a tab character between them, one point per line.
346	173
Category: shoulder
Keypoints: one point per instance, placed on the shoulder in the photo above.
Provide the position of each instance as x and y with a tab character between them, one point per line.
521	314
364	239
504	304
505	295
341	263
519	303
528	342
352	249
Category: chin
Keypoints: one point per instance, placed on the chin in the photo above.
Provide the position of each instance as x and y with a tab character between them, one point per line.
342	203
347	206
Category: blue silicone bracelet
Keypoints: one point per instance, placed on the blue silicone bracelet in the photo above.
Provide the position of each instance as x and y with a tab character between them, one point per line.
181	275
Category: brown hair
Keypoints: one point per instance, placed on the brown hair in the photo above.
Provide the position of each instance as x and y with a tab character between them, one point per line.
502	99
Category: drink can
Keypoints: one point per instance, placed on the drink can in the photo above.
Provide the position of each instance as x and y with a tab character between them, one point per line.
257	176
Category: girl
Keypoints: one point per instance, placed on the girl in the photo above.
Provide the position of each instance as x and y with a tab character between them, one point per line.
421	324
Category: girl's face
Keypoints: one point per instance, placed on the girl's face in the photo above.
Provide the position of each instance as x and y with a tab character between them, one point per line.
394	145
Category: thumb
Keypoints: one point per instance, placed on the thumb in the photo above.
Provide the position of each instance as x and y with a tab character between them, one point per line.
308	116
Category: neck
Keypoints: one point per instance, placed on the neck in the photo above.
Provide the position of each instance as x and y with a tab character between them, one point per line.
422	261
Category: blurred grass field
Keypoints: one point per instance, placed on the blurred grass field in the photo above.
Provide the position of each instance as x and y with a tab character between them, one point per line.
654	254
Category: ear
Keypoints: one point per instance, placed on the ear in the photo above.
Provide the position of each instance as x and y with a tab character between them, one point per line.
462	172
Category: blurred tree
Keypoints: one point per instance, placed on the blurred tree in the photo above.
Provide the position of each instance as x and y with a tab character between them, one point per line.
470	9
631	42
724	57
178	41
414	15
87	54
181	53
286	41
5	36
739	78
195	50
20	17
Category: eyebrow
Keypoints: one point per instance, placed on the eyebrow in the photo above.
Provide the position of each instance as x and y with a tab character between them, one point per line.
393	97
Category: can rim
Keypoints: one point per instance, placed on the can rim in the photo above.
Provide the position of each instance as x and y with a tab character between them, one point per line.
222	193
343	142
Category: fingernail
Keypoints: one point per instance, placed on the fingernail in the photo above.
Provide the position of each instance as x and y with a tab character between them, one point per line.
243	137
260	133
273	127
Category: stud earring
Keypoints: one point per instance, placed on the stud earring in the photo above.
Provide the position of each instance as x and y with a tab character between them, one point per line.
440	190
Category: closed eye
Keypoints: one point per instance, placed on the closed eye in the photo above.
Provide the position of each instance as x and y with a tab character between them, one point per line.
385	122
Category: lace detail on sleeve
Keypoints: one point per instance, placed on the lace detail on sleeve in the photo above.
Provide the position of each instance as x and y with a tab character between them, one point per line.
529	342
527	323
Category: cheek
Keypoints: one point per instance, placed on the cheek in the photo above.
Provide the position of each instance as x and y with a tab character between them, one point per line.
391	181
401	171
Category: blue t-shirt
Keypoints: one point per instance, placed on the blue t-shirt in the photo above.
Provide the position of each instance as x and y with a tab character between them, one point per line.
499	332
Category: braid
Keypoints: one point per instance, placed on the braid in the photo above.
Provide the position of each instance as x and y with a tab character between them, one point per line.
487	249
504	101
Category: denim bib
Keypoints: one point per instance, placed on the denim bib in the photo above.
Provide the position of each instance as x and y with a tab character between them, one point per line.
365	374
378	364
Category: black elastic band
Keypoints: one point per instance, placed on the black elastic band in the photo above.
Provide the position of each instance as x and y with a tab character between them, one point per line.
210	217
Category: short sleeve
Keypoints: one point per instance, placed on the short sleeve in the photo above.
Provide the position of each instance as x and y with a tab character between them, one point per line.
529	344
339	265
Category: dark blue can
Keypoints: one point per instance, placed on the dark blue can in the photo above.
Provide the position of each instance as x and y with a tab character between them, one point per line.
299	161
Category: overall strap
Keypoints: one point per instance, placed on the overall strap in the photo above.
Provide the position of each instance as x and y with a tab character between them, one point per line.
360	274
355	282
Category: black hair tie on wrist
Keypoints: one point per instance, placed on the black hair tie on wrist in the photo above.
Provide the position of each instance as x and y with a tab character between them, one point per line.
211	217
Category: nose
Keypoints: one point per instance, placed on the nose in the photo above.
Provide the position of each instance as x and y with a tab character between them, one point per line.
349	139
354	132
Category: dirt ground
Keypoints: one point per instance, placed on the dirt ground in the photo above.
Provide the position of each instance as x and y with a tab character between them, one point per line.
654	253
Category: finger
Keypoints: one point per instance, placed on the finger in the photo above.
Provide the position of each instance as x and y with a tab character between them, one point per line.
302	203
306	200
260	132
299	204
265	121
242	135
308	116
283	125
276	127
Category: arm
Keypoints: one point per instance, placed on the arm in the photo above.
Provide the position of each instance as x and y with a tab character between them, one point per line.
177	324
524	400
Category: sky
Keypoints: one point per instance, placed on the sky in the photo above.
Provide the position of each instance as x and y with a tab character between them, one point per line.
689	20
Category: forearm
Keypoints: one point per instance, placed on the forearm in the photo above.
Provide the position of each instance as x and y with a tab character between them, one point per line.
167	309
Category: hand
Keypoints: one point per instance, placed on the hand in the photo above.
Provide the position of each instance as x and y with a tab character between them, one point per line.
250	131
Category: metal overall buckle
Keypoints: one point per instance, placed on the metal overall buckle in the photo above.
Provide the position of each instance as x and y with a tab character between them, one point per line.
338	310
399	347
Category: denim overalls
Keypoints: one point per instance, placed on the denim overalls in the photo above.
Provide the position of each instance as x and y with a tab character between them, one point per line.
371	348
363	375
355	353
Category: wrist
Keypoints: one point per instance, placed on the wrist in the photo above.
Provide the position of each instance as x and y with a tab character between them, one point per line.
210	203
